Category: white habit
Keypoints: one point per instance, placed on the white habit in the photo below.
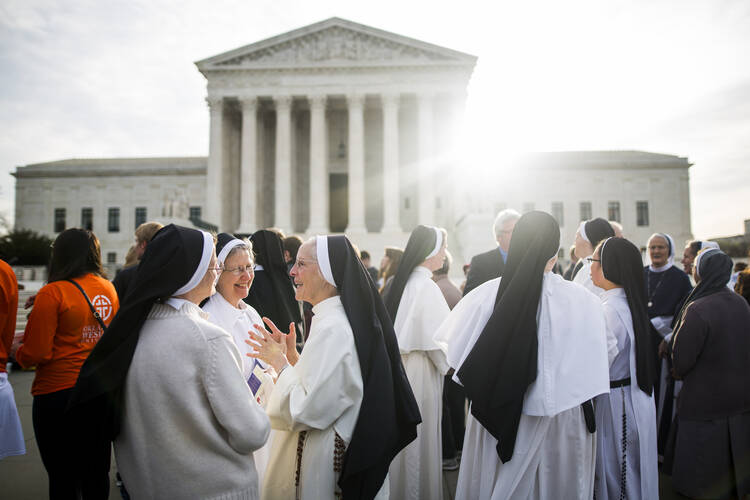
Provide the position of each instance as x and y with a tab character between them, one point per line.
417	471
554	454
312	403
238	322
583	278
641	473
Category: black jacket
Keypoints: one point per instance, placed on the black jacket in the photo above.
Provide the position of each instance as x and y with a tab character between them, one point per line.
484	267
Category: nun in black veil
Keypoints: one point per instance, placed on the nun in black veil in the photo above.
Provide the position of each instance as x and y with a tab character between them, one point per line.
627	413
272	293
166	385
530	350
344	408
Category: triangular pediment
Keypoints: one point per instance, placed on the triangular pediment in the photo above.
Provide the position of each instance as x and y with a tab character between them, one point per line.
335	43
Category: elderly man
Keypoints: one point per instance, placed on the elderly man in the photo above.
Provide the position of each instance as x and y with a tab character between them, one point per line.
489	265
343	408
143	235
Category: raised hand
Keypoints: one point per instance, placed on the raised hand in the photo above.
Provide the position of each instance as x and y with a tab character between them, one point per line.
288	339
267	348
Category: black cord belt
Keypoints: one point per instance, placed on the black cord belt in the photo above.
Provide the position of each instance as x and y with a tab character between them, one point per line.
623	382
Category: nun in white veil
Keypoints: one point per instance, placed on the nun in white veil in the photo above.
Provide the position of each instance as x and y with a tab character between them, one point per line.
418	308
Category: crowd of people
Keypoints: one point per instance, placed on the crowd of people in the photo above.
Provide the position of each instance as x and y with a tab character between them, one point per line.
271	367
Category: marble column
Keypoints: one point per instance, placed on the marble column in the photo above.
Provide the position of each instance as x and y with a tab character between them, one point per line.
356	103
215	167
248	165
391	185
283	174
319	196
426	160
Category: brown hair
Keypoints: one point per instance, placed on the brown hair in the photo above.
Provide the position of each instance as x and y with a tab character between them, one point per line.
75	252
394	259
146	231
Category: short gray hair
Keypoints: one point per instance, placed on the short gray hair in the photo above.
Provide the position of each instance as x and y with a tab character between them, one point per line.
504	216
246	246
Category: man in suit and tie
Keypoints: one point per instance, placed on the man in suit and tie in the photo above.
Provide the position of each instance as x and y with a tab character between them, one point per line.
490	265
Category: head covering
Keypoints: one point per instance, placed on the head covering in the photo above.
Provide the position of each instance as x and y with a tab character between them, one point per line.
714	268
272	293
172	260
421	245
225	242
389	414
595	230
670	255
324	263
503	362
622	264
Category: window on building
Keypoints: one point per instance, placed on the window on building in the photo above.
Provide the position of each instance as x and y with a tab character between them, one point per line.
585	210
59	220
407	203
641	213
528	206
111	257
113	220
613	211
195	213
87	218
140	216
557	212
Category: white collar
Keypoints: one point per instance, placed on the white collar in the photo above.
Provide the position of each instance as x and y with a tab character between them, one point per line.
179	304
659	269
612	293
326	305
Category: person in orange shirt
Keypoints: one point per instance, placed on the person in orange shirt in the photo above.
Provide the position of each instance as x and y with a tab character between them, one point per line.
60	334
11	435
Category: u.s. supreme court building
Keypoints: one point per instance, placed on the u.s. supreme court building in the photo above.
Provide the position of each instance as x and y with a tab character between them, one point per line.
340	127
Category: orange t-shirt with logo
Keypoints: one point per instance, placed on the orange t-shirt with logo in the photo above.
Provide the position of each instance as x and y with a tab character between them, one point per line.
8	310
62	331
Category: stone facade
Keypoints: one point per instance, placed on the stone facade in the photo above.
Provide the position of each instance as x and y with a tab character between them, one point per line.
341	127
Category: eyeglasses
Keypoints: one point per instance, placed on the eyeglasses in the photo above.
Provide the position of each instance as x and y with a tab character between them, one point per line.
219	268
591	259
236	271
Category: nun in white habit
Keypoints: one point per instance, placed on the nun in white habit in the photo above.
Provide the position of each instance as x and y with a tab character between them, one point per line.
419	308
227	309
344	408
530	349
626	462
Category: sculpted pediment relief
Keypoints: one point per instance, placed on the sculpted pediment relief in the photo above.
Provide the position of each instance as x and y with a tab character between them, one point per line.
335	42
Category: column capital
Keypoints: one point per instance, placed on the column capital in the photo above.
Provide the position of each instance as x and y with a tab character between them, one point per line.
355	100
249	103
282	101
214	102
317	100
390	99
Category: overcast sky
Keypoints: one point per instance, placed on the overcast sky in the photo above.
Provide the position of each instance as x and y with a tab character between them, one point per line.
99	78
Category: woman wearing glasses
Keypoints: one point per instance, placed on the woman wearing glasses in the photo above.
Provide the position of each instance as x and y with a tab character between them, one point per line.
227	309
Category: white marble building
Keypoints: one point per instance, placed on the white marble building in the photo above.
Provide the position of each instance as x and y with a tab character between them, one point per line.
341	127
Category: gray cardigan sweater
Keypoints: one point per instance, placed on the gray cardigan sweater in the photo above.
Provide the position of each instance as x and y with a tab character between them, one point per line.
190	423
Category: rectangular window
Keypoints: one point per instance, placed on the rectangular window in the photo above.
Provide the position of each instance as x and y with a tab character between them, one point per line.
557	212
585	210
641	213
59	220
111	257
113	220
613	211
140	216
87	218
528	206
195	213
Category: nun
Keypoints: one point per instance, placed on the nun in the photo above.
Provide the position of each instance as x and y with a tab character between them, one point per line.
344	408
711	353
626	460
530	349
227	310
167	386
588	235
691	252
418	308
273	292
666	289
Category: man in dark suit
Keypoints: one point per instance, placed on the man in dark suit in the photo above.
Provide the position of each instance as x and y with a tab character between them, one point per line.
489	265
